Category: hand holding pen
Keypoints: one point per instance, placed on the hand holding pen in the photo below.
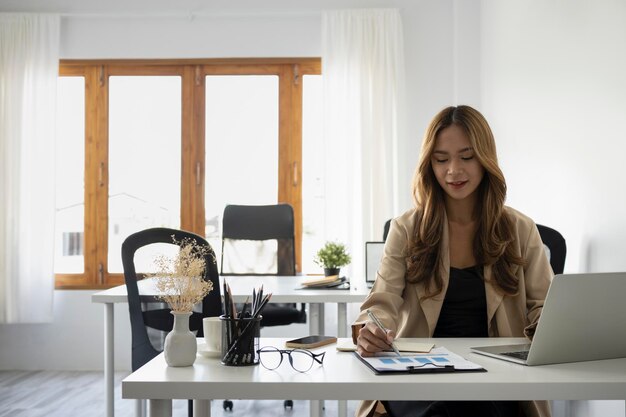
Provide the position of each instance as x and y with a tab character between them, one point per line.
377	322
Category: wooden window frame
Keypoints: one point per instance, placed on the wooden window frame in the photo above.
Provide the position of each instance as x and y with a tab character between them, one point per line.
192	72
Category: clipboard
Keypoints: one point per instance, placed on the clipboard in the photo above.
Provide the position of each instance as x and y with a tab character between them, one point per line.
439	360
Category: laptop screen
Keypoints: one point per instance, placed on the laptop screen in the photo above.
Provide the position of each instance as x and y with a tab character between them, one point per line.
373	255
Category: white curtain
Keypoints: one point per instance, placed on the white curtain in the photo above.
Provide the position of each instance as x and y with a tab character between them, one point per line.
29	62
363	73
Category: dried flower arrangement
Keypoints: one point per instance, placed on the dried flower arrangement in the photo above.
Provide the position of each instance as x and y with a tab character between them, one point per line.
180	278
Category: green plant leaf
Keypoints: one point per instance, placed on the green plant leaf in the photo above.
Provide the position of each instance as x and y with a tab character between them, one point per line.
332	255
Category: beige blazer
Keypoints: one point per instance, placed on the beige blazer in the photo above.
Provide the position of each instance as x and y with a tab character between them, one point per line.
400	307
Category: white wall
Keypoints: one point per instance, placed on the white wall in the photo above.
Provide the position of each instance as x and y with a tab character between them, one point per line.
212	36
73	341
554	90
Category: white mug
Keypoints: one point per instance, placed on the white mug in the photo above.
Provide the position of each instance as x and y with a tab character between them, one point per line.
212	327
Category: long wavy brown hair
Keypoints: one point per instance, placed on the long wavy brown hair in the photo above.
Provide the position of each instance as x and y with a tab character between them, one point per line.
493	242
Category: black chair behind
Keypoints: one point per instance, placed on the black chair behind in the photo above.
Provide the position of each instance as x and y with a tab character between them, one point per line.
256	225
160	319
556	246
386	229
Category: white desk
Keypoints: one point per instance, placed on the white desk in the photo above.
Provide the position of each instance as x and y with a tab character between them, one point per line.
285	289
344	377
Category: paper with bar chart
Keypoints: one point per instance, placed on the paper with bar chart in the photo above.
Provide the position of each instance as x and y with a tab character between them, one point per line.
439	359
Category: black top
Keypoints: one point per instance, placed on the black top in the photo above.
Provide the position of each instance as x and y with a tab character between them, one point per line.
463	314
464	309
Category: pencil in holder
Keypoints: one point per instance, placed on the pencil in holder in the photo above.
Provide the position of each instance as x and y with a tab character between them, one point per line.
240	340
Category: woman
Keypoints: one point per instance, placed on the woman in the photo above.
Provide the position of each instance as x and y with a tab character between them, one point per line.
460	264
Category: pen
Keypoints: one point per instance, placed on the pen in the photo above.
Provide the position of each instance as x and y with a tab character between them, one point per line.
380	325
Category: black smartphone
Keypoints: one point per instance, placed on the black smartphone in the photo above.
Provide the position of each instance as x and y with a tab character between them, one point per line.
308	342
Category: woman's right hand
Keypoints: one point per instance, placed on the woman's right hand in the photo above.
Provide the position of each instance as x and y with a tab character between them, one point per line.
373	339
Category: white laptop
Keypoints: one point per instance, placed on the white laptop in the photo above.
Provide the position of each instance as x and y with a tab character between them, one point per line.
373	256
583	319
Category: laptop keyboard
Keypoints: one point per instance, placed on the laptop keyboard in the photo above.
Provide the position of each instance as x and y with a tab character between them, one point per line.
522	354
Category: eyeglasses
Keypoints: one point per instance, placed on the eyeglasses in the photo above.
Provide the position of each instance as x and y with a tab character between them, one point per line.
301	360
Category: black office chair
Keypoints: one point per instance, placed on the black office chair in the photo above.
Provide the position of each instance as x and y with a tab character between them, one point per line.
141	317
557	248
386	229
266	233
260	240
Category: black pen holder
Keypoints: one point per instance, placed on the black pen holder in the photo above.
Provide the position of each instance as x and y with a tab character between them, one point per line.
240	340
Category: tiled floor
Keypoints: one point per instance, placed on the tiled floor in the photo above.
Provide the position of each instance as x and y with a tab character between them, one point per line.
66	394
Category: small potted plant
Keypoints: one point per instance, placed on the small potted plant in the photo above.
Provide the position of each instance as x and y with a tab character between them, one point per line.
332	256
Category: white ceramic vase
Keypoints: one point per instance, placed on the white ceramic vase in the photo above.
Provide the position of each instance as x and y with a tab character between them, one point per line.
180	344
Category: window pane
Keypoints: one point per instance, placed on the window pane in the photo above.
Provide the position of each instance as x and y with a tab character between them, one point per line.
241	145
312	172
146	256
70	174
144	157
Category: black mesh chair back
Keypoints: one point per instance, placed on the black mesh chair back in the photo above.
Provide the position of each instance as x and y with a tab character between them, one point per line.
140	318
260	240
557	248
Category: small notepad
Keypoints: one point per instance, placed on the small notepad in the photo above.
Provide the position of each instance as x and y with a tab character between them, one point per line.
320	281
